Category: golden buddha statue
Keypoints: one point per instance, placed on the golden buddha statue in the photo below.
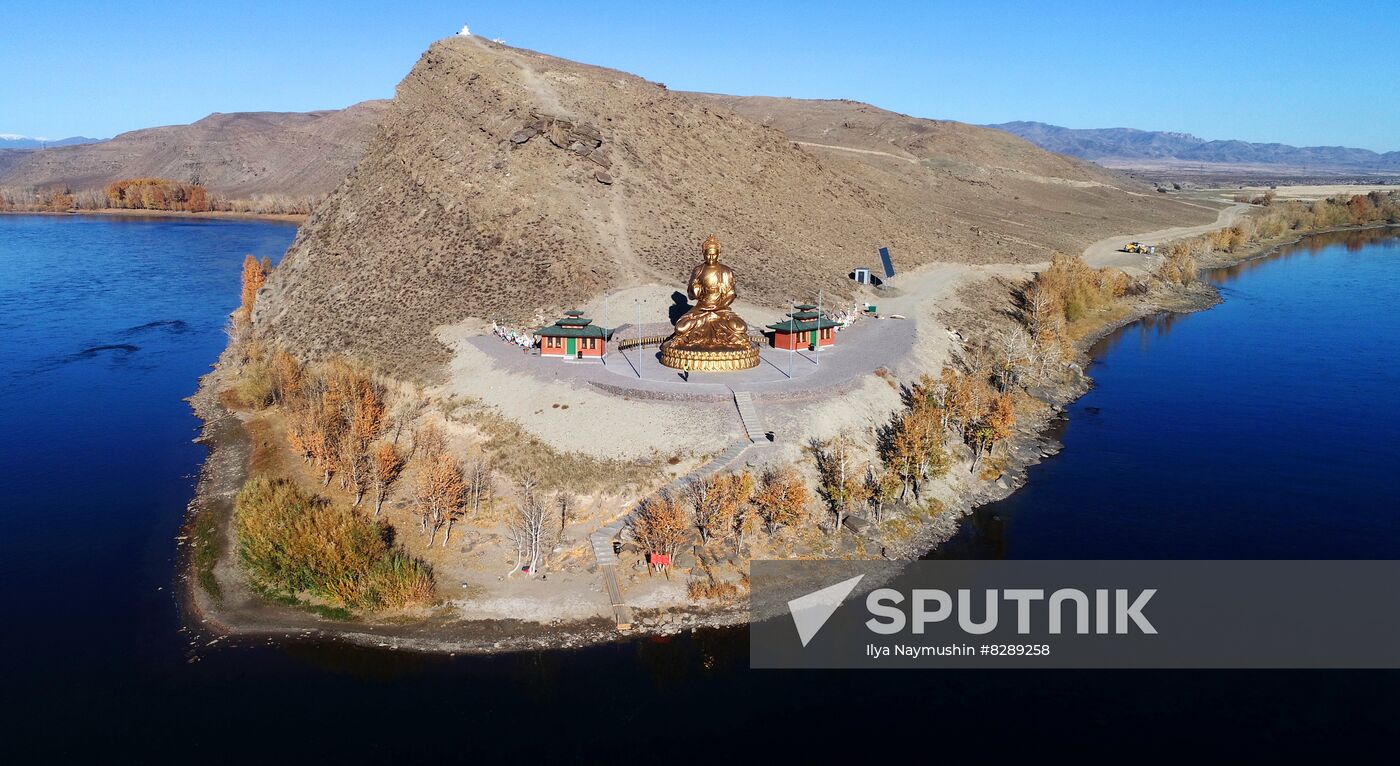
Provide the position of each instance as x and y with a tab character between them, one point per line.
710	336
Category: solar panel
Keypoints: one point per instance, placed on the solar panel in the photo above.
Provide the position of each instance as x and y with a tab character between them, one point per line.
885	259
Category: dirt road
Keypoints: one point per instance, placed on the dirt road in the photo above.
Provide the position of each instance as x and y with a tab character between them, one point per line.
1108	252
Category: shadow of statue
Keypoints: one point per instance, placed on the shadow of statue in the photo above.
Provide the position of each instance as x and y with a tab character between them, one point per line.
679	305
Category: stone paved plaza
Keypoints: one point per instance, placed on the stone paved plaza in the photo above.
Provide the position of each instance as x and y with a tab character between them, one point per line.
868	344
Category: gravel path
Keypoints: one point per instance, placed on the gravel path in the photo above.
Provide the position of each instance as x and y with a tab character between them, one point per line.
1108	251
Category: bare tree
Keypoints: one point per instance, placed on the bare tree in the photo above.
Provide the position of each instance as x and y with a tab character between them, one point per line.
479	478
526	527
566	503
1013	356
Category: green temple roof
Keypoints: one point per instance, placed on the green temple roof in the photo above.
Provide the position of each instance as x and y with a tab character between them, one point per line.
791	326
574	325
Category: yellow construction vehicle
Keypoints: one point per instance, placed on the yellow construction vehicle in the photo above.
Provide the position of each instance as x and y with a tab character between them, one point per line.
1138	247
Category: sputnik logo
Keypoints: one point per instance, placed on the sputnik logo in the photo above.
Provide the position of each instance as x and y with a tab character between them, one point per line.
810	612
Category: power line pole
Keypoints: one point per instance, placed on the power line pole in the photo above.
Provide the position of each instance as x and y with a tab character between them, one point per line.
817	347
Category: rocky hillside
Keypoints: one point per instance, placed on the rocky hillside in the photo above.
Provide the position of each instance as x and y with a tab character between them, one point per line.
299	154
1127	147
507	184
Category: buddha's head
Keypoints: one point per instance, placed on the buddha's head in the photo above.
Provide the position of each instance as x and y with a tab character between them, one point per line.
710	249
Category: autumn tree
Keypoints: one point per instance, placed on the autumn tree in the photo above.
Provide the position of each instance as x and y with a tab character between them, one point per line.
1043	316
287	375
840	475
254	277
996	425
310	433
659	524
198	200
912	446
384	471
438	494
340	415
741	490
781	499
716	500
963	399
59	200
157	194
355	466
882	487
707	508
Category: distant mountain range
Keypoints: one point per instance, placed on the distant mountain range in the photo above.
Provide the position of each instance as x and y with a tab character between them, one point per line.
13	141
1130	148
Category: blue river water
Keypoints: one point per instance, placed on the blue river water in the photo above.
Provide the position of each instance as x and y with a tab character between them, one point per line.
1263	428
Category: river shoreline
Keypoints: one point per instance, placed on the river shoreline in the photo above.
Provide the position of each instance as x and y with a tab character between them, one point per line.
242	613
210	215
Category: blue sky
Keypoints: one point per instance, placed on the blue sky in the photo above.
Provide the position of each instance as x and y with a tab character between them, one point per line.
1294	72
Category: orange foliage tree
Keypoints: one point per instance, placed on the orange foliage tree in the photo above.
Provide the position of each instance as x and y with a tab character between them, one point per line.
996	424
388	465
254	277
287	376
659	525
334	415
157	194
912	445
781	500
716	501
440	494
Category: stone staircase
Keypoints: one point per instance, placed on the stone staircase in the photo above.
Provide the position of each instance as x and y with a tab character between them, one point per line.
601	541
748	414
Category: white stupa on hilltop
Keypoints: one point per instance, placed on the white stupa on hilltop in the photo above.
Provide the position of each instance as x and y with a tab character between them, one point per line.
466	31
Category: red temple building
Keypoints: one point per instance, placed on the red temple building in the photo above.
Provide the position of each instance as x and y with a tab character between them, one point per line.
574	337
804	328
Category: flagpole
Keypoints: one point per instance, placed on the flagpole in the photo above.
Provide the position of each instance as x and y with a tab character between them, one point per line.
817	352
791	346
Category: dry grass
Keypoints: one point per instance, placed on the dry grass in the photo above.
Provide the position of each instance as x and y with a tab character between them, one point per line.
291	542
517	453
705	590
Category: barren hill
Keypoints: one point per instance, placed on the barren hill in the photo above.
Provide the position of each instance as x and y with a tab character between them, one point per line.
237	155
507	184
